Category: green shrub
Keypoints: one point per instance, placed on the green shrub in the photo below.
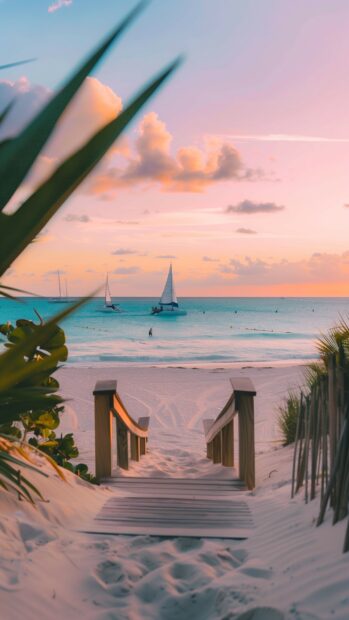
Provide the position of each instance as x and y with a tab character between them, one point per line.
288	414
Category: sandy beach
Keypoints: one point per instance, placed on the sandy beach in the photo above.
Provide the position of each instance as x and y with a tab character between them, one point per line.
287	568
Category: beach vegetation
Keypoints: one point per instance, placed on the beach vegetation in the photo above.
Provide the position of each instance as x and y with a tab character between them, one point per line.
35	421
33	352
288	413
321	450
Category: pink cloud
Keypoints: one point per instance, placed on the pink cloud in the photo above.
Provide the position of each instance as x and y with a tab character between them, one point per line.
190	170
59	4
319	267
149	162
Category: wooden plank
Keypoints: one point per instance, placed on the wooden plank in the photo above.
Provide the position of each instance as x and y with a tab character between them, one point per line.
198	483
144	422
173	517
122	445
135	447
168	532
128	421
217	449
143	445
222	420
103	436
243	384
107	386
228	445
207	423
246	440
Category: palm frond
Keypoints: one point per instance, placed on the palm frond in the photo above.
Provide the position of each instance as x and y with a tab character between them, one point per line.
18	155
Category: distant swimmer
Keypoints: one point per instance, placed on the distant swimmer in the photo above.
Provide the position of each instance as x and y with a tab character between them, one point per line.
276	311
150	331
236	311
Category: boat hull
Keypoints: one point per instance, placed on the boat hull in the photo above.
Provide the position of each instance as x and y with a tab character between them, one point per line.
169	313
109	310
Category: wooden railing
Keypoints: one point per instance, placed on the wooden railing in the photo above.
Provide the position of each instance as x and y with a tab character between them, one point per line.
131	436
219	433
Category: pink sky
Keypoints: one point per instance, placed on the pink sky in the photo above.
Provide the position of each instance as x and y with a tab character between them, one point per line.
242	184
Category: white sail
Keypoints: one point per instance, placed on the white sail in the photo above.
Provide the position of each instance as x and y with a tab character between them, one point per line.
108	300
168	296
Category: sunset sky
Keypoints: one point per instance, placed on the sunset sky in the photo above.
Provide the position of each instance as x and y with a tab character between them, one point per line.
237	172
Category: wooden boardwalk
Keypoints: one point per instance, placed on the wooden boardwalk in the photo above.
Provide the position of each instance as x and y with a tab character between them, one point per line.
204	507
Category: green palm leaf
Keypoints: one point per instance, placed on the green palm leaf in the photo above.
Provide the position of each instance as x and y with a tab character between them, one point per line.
18	155
21	227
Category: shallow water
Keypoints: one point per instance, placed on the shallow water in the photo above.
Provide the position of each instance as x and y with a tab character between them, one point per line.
214	329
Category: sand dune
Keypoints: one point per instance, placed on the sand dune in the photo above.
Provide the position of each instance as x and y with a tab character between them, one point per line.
287	569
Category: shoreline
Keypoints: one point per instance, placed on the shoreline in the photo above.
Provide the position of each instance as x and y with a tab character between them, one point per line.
286	563
193	365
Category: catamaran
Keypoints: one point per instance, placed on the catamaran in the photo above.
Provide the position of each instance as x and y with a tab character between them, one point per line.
109	306
168	304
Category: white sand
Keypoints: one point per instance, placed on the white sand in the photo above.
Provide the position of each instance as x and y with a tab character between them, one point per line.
49	571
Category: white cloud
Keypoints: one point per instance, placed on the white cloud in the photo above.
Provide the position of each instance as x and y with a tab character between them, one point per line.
275	137
59	4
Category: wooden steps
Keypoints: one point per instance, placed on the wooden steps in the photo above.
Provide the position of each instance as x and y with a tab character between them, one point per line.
202	507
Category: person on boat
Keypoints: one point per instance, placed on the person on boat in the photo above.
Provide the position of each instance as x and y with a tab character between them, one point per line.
150	333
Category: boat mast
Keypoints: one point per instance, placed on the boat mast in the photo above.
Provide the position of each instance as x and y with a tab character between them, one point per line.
59	284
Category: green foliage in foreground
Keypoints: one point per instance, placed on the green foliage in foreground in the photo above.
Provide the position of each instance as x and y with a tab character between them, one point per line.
334	342
34	352
41	415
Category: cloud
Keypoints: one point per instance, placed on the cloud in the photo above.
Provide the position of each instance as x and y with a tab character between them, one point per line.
124	271
94	105
208	259
168	256
148	161
346	206
28	99
246	231
59	4
319	267
190	170
276	137
77	218
248	207
123	252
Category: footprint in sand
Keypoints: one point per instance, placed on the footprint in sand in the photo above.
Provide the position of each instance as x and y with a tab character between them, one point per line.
188	544
262	613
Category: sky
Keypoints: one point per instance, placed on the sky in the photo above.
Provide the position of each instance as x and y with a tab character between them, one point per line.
236	172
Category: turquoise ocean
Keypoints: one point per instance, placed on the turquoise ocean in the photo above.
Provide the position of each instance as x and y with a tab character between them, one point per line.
215	330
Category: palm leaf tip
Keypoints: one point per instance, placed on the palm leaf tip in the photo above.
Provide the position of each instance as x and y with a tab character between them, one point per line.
18	155
17	63
37	210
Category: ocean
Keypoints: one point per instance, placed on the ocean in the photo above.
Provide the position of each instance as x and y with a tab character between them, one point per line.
215	330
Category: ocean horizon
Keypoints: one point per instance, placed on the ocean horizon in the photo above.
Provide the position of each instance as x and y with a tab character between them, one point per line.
215	329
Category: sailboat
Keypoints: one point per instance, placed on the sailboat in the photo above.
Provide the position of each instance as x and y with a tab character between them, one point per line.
168	304
109	306
61	299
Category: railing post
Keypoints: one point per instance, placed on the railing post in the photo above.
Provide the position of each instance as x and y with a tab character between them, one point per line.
135	447
246	440
142	445
244	393
217	448
121	444
228	444
103	393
